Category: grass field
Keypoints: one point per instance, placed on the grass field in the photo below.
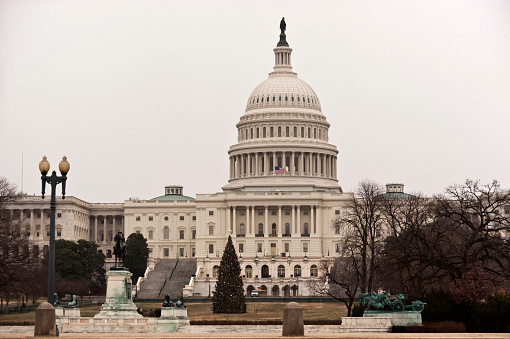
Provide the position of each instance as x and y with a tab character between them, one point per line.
203	311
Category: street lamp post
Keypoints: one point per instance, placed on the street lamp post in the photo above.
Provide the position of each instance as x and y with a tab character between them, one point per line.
53	180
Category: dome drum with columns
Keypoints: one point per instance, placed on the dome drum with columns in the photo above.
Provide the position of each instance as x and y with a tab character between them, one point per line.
283	127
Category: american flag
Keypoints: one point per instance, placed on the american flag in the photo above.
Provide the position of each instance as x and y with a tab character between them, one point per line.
279	170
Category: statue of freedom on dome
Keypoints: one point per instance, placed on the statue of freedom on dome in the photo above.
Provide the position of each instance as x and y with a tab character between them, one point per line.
283	26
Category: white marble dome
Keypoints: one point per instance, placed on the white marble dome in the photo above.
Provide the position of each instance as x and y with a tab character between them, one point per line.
283	90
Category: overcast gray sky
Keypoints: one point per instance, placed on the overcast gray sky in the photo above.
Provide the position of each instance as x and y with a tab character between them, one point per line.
142	94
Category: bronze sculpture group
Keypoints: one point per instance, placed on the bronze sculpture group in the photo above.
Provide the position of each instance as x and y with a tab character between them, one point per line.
179	303
119	249
382	303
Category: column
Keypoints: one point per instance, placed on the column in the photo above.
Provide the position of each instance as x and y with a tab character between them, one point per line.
318	224
265	164
300	164
310	158
95	228
324	165
248	228
312	219
113	225
104	229
257	169
253	220
292	162
298	226
284	161
32	225
266	220
319	165
43	229
274	163
228	214
234	219
293	225
242	165
279	226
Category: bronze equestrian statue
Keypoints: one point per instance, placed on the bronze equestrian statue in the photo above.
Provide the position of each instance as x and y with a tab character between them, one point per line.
119	249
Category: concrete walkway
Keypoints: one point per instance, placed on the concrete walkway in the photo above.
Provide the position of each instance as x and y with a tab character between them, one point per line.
28	332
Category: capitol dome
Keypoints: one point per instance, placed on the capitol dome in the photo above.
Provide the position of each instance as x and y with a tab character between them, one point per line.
283	91
283	136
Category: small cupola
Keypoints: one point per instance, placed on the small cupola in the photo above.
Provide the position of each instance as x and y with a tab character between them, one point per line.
173	190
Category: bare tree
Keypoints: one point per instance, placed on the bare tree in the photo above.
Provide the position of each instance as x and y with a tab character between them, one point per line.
339	278
479	219
362	226
14	247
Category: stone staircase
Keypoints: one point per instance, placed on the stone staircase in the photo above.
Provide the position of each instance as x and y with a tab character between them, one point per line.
169	276
151	287
181	276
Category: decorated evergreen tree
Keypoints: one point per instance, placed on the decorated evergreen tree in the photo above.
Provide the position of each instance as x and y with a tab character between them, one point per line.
228	296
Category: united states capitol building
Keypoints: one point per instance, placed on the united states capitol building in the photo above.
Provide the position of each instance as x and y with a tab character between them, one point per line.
278	205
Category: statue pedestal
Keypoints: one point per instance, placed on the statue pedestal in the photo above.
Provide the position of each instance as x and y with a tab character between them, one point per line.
59	311
173	319
398	318
118	303
72	312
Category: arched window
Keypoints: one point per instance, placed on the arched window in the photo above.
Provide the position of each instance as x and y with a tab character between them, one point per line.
287	131
215	271
309	134
286	98
281	271
315	133
297	271
314	271
264	132
297	99
251	133
292	98
265	271
279	131
287	229
35	251
242	229
271	132
258	135
248	271
261	229
273	230
295	132
166	233
306	231
302	132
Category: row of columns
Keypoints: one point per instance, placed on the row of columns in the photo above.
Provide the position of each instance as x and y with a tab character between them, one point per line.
251	227
282	131
105	233
300	163
79	232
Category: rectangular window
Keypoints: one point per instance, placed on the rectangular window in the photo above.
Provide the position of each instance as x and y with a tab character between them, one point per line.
151	234
287	212
241	248
273	212
181	217
337	211
241	212
181	251
150	251
59	233
286	246
166	252
211	248
211	212
151	218
305	247
193	251
137	232
59	215
259	247
305	212
193	234
194	217
262	212
181	234
137	218
337	248
211	230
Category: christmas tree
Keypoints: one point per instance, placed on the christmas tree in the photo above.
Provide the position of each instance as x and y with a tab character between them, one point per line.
228	296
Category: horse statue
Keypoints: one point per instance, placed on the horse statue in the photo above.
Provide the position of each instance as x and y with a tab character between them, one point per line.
119	250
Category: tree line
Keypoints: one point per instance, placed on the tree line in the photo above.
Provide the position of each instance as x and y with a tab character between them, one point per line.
456	241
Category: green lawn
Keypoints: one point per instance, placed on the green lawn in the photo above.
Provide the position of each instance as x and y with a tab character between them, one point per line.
203	311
